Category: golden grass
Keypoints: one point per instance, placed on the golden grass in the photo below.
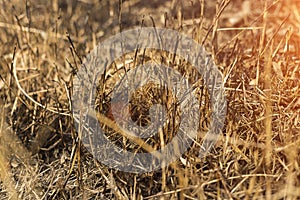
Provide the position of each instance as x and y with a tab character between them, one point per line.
256	49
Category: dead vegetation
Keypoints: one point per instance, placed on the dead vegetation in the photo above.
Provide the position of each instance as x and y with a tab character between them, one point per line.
254	43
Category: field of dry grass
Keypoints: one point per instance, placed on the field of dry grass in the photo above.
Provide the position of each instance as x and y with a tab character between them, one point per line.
255	45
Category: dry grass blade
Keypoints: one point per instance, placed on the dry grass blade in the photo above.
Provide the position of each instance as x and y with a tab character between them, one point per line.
256	47
10	145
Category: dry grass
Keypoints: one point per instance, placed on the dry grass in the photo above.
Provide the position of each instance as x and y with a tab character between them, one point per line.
256	46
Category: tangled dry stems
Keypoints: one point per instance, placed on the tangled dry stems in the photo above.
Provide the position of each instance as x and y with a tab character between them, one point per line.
257	156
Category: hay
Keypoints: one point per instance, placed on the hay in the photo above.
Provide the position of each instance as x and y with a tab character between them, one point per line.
255	45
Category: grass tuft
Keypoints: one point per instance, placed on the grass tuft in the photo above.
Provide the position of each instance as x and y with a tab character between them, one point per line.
256	47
